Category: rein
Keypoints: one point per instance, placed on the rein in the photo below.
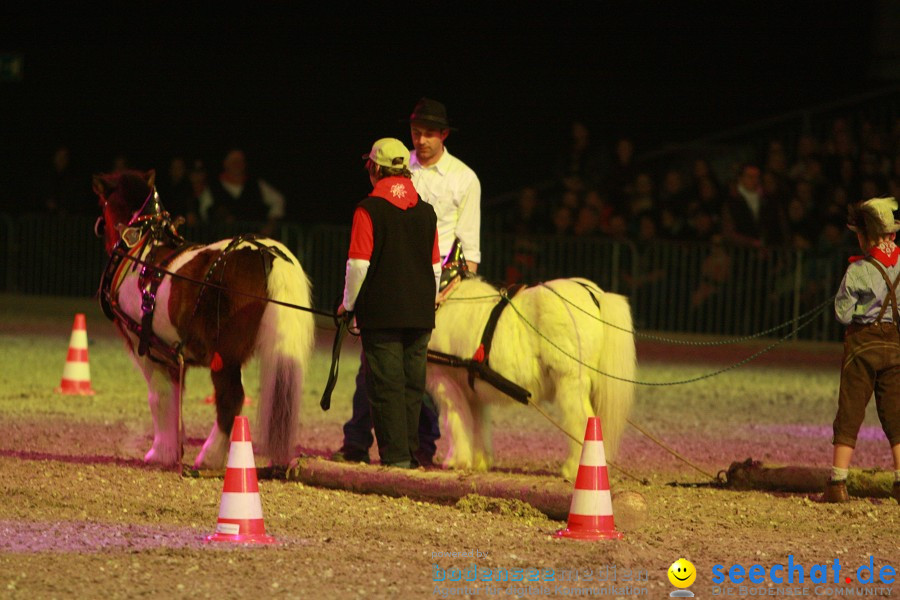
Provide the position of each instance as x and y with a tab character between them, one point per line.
153	242
223	288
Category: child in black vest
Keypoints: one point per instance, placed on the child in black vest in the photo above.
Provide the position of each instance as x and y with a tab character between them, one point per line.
393	272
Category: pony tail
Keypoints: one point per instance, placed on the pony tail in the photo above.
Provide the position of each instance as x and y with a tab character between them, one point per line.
619	358
284	345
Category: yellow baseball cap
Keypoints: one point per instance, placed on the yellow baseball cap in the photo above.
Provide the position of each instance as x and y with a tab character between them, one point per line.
388	152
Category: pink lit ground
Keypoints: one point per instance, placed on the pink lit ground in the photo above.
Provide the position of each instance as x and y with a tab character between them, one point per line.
81	517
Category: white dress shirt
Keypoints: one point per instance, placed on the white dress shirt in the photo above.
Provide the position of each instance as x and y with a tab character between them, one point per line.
453	190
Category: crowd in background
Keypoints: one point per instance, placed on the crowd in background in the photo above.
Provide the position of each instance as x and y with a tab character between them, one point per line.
787	197
790	193
228	193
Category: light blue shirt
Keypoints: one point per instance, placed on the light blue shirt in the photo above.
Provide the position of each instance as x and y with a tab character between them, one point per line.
862	293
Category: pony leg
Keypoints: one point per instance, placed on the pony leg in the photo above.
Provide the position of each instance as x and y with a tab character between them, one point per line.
574	401
483	452
164	398
457	420
229	400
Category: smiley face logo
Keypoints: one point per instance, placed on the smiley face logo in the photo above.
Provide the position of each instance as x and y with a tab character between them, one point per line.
682	573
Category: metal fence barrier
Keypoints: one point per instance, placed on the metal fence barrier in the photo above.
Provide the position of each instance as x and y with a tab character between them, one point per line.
674	287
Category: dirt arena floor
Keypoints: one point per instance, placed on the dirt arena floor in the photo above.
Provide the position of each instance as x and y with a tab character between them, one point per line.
82	517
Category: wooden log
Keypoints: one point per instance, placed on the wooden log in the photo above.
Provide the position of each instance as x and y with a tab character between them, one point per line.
551	497
752	475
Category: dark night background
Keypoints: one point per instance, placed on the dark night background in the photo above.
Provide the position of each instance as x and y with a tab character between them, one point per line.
305	88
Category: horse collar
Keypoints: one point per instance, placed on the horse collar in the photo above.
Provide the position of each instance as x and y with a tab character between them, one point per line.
487	337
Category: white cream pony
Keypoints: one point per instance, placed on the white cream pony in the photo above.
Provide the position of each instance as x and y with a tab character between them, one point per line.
559	340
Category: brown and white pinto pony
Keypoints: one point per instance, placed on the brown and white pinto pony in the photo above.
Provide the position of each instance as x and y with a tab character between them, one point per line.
214	328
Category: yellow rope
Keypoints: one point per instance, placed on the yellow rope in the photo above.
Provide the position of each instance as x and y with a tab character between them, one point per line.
669	450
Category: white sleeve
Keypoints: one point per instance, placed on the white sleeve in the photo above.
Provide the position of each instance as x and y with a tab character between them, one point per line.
468	223
273	199
356	274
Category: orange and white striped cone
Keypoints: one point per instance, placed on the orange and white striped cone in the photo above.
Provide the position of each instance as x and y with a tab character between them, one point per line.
591	515
240	512
76	378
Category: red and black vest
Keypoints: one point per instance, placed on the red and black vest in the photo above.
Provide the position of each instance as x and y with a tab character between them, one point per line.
398	291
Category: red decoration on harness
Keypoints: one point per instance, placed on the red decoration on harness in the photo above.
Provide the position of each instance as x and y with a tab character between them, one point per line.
216	364
479	354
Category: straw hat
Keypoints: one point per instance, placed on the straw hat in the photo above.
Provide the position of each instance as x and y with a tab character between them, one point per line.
873	217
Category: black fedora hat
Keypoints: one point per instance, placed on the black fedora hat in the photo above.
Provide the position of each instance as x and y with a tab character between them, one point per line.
431	112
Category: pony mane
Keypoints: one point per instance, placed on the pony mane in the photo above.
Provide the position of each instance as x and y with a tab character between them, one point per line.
130	190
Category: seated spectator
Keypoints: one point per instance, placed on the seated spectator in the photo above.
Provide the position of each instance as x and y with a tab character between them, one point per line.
701	226
527	216
562	220
175	191
587	222
715	271
847	177
776	188
650	268
571	199
595	199
580	165
807	150
673	194
802	230
839	145
672	225
701	172
201	195
644	197
620	178
748	217
58	188
239	196
618	228
776	159
708	199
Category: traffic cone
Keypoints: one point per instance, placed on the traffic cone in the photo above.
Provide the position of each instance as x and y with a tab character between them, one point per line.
590	515
76	378
240	512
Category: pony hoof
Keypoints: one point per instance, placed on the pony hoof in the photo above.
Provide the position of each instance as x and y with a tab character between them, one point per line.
157	459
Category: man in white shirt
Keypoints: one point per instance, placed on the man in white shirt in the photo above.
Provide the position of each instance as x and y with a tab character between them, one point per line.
445	182
453	190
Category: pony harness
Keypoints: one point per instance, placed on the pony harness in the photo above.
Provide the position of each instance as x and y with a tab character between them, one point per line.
477	366
150	242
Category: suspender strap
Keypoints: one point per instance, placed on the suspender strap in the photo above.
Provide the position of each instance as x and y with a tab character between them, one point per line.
483	352
891	292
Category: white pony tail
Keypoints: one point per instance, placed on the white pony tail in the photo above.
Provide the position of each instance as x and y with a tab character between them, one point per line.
620	360
284	345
